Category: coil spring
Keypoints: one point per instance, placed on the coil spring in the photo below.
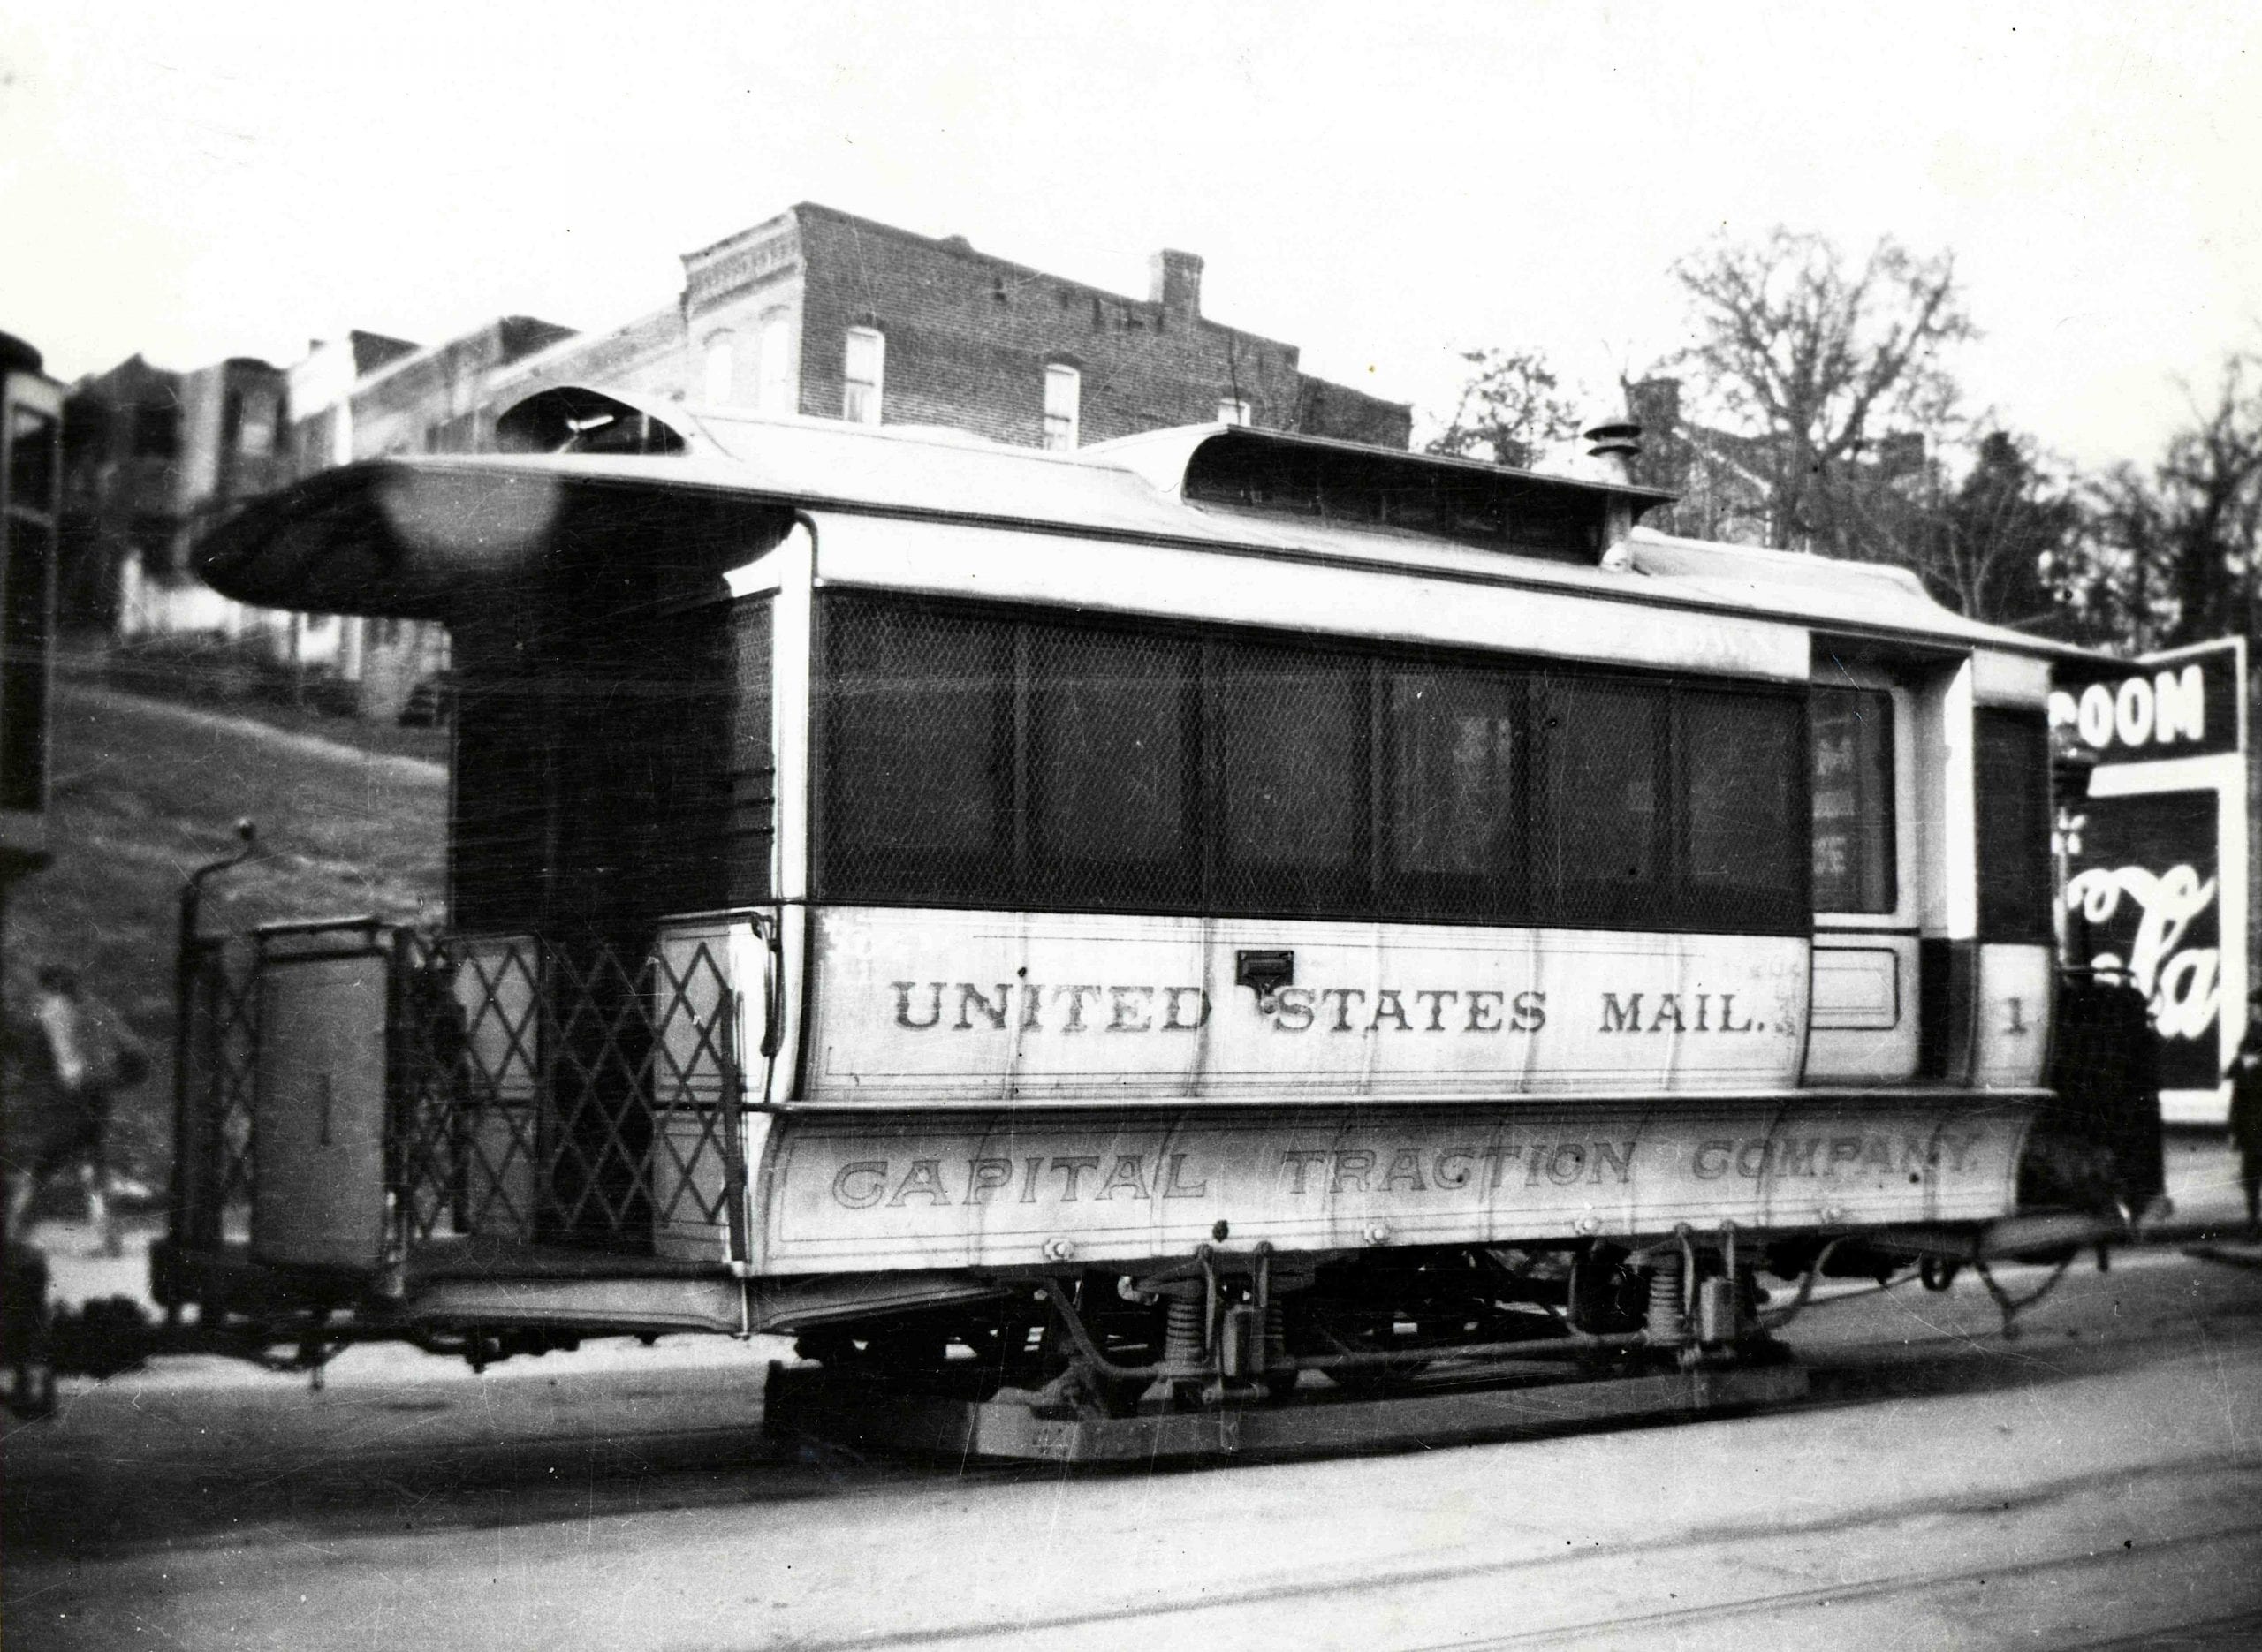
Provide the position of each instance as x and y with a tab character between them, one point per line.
1668	1322
1276	1333
1182	1330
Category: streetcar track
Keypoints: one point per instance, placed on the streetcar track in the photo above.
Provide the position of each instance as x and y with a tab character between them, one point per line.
2173	1638
1833	1595
1305	1590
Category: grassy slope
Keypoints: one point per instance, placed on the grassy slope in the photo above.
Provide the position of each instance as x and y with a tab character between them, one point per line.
148	790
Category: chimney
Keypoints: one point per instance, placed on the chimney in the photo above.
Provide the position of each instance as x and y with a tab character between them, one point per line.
1175	283
1654	403
1901	453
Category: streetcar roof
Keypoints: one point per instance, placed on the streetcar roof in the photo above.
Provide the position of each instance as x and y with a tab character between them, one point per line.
407	537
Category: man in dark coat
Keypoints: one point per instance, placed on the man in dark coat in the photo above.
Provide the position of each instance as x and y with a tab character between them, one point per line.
2246	1112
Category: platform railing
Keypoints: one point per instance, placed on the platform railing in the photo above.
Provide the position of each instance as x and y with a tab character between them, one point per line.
533	1094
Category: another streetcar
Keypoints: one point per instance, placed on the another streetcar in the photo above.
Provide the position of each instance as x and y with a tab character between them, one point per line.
1099	938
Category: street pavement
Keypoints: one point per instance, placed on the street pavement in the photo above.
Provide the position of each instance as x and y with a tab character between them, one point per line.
2095	1482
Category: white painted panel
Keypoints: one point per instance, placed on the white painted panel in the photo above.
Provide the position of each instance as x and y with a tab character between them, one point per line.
1864	1009
1002	565
1857	988
2014	995
1946	805
2009	680
964	1008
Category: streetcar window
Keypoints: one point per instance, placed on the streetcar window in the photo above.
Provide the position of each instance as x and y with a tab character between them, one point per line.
499	839
1452	834
1851	762
1740	831
919	795
1291	743
2014	824
978	758
157	431
1112	771
1605	742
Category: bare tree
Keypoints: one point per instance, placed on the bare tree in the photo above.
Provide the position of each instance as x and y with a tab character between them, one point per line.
2175	558
1989	546
1510	409
1810	361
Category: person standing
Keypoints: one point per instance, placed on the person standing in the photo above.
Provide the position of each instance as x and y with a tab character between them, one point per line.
71	1060
2246	1112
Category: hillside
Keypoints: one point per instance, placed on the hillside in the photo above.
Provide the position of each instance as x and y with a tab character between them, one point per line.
147	789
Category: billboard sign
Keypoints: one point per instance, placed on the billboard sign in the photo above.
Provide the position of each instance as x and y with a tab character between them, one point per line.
2156	859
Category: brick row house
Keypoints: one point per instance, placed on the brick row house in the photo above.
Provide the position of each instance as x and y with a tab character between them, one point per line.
151	456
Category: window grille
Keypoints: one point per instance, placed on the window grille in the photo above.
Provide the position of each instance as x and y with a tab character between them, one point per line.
2013	761
596	779
536	1093
981	757
1529	515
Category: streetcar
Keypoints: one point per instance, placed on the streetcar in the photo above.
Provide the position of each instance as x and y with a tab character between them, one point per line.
31	481
1223	936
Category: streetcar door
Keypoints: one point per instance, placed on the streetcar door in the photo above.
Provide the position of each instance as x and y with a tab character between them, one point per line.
1861	729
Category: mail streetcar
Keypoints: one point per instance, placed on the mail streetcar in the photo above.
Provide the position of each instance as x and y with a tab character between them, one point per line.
1140	946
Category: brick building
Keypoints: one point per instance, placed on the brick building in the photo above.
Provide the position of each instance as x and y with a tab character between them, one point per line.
814	313
823	314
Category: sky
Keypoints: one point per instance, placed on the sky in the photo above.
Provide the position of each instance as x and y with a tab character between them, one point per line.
1386	185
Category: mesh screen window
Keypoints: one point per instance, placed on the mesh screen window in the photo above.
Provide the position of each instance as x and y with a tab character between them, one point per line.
2014	824
980	757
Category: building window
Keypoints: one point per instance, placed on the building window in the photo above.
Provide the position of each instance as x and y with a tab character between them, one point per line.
1232	410
722	368
774	347
864	374
1063	391
157	431
250	424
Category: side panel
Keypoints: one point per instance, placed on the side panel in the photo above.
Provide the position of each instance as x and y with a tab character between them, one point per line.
318	1112
2011	1031
997	1188
955	1008
1864	1009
